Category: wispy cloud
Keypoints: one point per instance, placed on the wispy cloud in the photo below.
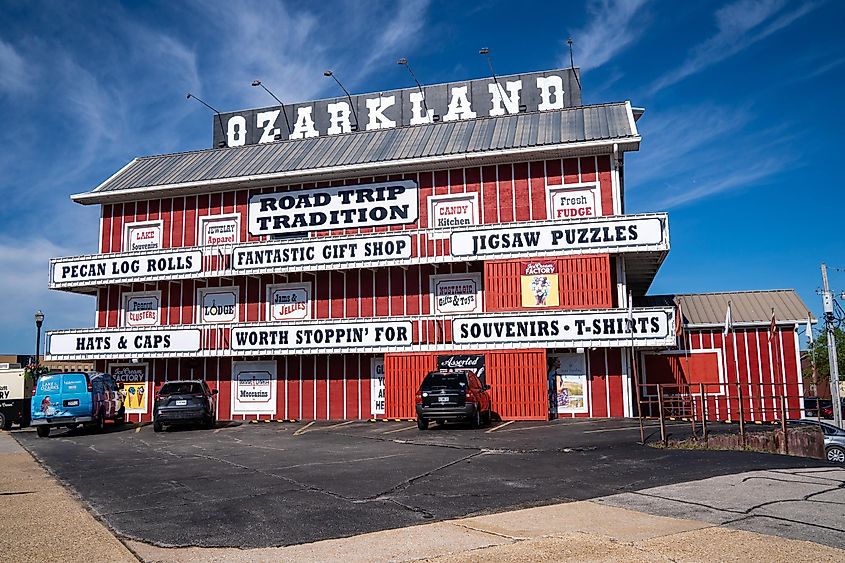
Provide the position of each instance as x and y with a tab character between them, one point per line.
13	70
738	26
612	26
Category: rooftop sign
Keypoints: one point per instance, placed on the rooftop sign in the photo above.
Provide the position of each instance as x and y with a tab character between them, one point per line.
536	91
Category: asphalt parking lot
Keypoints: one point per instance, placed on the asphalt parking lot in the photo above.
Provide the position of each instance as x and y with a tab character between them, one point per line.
273	484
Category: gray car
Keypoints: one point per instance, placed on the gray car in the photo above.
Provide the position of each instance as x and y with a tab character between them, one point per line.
834	438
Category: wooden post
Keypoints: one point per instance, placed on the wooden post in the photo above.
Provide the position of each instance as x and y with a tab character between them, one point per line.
783	423
703	411
741	414
660	411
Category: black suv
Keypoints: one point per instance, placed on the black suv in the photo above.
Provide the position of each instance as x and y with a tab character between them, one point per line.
182	402
452	395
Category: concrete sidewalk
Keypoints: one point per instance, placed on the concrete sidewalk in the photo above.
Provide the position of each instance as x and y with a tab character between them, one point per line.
40	520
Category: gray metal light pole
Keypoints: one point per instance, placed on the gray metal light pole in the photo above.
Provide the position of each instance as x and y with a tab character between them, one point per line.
827	298
39	320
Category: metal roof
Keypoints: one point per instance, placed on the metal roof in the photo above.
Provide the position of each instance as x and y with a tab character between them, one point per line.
747	307
361	151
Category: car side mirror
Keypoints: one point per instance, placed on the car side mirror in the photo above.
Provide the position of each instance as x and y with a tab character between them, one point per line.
214	391
487	387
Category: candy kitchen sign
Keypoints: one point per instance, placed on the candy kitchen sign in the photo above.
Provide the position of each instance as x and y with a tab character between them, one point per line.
289	302
450	212
456	293
537	91
325	209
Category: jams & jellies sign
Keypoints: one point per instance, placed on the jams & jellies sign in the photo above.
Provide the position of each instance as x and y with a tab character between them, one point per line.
289	302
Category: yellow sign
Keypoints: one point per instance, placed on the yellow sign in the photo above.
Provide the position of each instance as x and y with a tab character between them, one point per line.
539	281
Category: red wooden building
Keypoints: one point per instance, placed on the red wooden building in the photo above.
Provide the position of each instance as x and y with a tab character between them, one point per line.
326	255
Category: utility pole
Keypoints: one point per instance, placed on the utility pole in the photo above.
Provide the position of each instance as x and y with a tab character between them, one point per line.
827	298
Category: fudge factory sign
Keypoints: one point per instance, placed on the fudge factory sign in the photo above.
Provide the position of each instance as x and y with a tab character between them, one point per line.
537	91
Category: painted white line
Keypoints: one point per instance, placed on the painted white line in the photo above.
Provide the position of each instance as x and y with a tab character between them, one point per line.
348	422
400	429
499	426
304	428
647	426
138	429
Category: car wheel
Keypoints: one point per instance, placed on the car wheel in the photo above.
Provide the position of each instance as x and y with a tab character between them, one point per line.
208	423
422	423
43	431
5	422
100	424
476	419
488	416
72	427
836	454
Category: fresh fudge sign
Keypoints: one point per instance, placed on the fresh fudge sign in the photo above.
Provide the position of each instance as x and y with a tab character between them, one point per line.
321	336
322	251
326	209
120	342
76	270
648	327
598	235
578	201
536	91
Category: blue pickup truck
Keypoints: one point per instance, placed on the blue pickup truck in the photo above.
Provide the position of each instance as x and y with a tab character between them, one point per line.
76	398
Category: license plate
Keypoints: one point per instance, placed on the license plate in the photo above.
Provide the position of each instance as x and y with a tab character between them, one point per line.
181	403
73	403
443	399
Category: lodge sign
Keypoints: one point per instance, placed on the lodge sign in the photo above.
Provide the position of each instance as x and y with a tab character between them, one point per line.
536	91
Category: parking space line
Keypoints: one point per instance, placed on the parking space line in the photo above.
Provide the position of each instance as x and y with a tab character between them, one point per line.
649	426
304	428
499	426
348	422
400	429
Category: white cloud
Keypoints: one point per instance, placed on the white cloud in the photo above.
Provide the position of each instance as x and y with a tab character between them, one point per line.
13	74
613	25
739	25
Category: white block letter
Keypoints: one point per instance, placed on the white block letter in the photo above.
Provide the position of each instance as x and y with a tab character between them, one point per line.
267	119
338	118
375	108
417	118
511	102
546	85
304	126
236	135
459	106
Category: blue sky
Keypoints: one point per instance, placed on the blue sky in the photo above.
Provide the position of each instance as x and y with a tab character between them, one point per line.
740	136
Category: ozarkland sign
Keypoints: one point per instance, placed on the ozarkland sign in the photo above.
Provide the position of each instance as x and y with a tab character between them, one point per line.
326	209
122	267
648	327
321	336
111	343
536	91
324	251
570	237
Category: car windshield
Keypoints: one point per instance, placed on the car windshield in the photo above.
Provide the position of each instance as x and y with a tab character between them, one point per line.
440	380
180	388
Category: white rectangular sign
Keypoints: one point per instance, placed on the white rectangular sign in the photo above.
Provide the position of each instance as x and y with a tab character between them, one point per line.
377	385
456	294
219	229
451	212
143	236
649	325
597	235
111	342
321	251
141	308
124	267
217	305
568	383
321	336
326	209
289	302
574	201
254	387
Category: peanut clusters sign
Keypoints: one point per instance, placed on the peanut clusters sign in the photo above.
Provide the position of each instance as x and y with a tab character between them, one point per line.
325	209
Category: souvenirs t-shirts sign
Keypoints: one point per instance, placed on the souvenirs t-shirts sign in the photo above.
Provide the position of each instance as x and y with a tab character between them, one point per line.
326	209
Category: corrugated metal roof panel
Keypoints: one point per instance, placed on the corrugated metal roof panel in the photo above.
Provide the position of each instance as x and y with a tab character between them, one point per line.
751	307
581	124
